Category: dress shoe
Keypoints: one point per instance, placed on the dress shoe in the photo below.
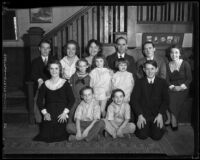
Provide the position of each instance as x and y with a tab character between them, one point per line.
174	128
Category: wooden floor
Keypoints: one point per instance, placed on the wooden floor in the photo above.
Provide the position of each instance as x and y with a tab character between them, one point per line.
18	140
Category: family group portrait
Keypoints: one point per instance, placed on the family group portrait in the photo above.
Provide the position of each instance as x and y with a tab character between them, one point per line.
101	81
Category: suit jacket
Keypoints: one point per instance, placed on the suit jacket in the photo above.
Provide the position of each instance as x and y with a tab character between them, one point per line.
161	67
39	70
150	99
111	59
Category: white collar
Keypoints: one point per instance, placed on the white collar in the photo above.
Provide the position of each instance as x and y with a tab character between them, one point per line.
120	55
151	80
43	58
150	58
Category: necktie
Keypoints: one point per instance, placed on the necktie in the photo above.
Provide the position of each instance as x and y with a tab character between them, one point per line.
45	61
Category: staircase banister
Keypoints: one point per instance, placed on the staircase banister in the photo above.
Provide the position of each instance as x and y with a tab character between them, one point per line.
66	22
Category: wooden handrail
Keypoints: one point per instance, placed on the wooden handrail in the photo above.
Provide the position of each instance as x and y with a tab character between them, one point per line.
66	22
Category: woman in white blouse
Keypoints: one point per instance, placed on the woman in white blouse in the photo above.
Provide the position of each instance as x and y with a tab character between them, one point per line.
68	62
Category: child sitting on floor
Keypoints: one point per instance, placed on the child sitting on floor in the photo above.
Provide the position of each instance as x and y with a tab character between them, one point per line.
118	115
87	117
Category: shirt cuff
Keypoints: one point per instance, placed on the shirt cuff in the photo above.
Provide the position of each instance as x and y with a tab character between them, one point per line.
183	86
44	111
66	111
171	86
40	80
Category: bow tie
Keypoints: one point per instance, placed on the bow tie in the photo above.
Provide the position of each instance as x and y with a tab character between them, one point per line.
80	81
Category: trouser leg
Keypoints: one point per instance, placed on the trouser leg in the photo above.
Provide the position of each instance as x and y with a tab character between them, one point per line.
156	133
97	127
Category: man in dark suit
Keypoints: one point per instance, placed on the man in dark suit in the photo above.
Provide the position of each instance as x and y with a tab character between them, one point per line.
148	51
149	100
121	47
40	72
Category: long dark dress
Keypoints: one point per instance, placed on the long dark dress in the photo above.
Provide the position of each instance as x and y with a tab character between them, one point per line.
183	76
55	103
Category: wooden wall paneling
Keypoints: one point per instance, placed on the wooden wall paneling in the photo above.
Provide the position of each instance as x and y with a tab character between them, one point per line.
144	13
85	29
98	23
70	33
59	45
179	13
182	11
94	20
110	21
172	11
106	24
121	18
169	11
67	33
90	25
64	36
158	13
176	12
116	19
79	34
185	16
125	18
55	45
114	22
101	29
82	34
74	30
138	13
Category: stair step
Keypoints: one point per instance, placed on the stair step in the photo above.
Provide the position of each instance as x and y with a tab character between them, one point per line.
15	94
15	118
18	109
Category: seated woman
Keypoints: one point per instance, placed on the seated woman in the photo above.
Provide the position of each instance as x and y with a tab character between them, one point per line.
179	77
55	99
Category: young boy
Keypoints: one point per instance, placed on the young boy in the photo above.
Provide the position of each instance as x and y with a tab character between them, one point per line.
118	116
87	117
150	100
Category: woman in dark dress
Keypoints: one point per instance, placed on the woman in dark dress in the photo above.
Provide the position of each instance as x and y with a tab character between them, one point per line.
179	77
54	100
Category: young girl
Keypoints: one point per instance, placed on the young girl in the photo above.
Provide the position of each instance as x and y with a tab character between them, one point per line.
101	81
123	79
93	48
78	80
87	116
69	61
118	116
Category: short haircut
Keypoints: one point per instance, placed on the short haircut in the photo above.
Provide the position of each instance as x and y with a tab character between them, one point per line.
121	60
99	56
55	61
152	62
93	41
117	90
85	88
116	41
81	60
71	42
147	42
44	41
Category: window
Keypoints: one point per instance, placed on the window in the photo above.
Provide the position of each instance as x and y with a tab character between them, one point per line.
9	25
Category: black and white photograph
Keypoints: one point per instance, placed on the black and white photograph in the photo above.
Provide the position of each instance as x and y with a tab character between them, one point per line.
107	80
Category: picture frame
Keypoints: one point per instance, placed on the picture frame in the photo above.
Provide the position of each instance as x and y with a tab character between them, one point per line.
41	15
163	40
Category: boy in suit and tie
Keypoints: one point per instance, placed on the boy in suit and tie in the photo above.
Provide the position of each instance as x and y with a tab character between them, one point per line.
150	100
40	72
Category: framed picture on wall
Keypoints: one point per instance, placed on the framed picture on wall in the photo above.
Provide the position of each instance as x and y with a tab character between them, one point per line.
41	15
163	40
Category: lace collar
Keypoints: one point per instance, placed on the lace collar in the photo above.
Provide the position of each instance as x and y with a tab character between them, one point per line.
55	86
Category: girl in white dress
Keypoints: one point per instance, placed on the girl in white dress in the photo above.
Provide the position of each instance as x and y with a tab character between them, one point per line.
123	79
101	81
68	62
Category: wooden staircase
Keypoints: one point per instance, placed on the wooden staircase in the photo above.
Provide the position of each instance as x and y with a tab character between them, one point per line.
15	107
104	23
